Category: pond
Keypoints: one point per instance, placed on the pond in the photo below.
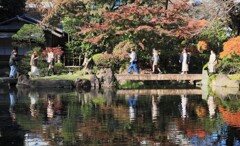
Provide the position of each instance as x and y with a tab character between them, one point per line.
119	117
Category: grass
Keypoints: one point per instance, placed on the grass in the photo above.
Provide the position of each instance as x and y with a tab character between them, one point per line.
74	76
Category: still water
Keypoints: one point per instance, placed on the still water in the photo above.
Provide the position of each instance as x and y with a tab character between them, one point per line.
124	117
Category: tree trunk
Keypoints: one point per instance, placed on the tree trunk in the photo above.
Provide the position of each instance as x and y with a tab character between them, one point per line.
86	62
166	4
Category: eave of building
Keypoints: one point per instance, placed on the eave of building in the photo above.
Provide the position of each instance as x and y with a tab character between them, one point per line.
30	20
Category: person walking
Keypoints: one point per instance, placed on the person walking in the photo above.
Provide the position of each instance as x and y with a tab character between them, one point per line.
185	60
13	61
155	60
133	61
211	63
33	64
50	60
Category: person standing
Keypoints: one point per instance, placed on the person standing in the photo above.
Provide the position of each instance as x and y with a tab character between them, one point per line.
50	60
185	60
34	63
212	62
13	61
155	60
133	61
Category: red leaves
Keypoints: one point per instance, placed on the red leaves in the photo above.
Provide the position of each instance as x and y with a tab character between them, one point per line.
55	50
135	18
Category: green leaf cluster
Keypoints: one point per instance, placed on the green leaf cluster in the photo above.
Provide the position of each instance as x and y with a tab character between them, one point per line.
229	65
29	35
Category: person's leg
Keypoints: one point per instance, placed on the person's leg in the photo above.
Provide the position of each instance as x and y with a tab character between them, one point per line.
130	67
159	71
13	71
153	68
135	68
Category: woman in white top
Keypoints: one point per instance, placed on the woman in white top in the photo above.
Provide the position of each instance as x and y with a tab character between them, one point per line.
155	59
50	60
211	63
185	60
34	64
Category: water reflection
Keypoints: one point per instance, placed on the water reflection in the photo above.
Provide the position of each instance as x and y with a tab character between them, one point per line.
102	117
12	97
184	101
211	106
34	97
132	107
155	109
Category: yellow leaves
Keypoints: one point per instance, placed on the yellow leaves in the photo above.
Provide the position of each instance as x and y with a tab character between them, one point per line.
230	47
202	46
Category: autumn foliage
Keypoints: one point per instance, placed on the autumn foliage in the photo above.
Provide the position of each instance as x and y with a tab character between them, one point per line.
202	46
229	117
133	19
56	51
230	47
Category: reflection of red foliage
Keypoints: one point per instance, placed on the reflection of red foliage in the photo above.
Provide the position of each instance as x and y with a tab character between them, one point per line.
229	117
199	132
55	50
191	128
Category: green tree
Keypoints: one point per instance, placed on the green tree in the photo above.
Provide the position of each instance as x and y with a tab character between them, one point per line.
29	35
11	8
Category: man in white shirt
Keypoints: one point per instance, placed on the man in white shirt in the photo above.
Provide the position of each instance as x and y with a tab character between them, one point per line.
133	61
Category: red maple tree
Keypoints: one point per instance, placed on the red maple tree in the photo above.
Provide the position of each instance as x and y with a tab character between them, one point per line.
134	18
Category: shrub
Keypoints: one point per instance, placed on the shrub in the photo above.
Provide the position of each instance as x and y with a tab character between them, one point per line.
102	60
58	67
229	65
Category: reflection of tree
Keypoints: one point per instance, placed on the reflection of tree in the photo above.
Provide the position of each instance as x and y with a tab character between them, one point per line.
70	123
231	118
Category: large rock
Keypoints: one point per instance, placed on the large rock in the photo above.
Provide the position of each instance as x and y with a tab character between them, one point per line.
205	78
23	80
223	92
94	81
223	81
83	84
106	77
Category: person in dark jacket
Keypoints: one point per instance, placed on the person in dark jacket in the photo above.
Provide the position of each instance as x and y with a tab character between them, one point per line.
13	64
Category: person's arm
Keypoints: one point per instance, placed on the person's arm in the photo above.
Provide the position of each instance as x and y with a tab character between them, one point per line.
36	58
131	57
181	58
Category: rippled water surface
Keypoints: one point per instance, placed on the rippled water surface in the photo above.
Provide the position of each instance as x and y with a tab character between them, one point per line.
123	117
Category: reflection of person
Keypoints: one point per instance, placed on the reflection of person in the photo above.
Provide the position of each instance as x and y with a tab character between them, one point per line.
132	107
50	111
54	106
133	61
34	97
184	101
34	63
211	63
12	97
185	60
155	112
13	61
211	106
50	60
